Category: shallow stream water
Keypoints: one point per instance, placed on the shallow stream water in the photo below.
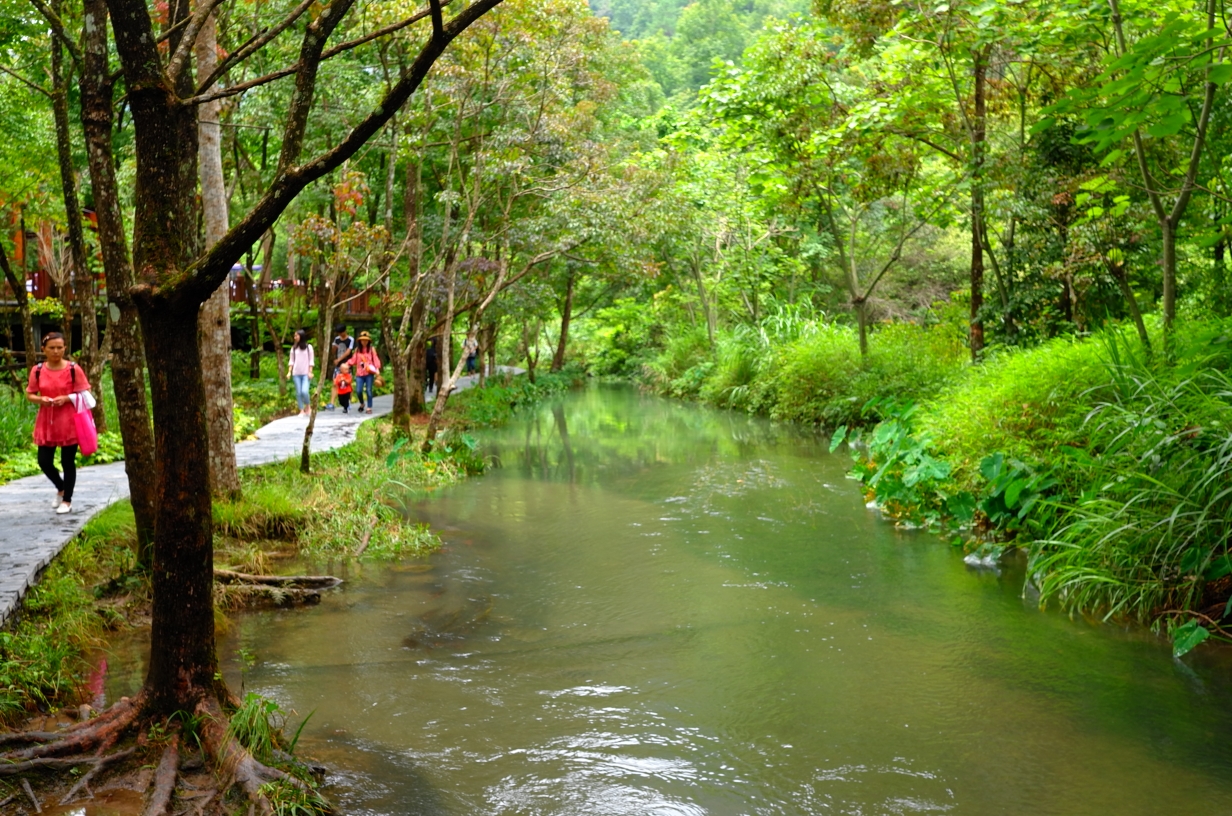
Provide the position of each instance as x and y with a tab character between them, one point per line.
653	608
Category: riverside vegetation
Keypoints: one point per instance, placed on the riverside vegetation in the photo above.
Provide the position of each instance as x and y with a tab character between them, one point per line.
1107	464
95	588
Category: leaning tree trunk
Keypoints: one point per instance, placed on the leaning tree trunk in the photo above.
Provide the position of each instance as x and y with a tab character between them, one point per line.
127	355
82	282
215	317
978	135
566	314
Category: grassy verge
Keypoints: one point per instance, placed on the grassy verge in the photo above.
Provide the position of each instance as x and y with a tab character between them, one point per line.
348	507
1107	462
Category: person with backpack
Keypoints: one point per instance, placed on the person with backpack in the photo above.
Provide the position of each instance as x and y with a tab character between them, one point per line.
430	366
342	347
300	369
367	366
51	386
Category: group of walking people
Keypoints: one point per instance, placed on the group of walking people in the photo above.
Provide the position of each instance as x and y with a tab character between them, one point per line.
355	364
58	387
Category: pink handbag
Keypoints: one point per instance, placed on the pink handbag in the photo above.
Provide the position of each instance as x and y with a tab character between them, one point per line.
87	434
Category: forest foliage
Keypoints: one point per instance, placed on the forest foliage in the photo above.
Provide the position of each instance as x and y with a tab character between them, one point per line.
987	237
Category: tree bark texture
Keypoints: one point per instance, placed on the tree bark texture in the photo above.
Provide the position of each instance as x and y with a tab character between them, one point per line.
215	317
182	663
127	355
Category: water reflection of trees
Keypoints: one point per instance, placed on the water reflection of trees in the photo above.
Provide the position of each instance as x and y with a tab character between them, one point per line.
617	432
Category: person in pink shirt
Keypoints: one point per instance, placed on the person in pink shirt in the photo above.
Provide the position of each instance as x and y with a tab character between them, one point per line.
366	365
300	369
50	386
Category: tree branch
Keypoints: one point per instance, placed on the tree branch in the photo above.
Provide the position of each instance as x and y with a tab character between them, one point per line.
180	58
210	269
34	86
281	73
57	28
254	44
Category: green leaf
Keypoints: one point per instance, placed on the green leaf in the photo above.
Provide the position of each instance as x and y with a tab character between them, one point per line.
1219	567
1013	492
1170	126
1220	74
1187	636
961	506
991	466
840	436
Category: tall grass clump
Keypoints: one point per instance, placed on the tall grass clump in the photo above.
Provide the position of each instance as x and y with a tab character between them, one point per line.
742	355
1148	539
684	363
822	378
1027	405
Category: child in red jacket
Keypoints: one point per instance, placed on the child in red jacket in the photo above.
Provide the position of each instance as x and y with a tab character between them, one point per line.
343	384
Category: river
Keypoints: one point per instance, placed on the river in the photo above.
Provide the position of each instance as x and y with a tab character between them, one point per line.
654	608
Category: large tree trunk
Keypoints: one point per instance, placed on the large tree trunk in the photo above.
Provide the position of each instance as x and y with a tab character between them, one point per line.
82	281
215	317
978	135
566	314
127	356
183	665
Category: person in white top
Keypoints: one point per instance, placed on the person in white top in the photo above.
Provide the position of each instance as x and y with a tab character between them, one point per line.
300	370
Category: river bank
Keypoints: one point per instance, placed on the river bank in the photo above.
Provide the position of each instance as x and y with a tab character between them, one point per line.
94	590
1099	457
658	607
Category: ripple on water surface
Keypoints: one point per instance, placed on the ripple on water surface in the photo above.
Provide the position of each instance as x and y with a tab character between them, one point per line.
652	608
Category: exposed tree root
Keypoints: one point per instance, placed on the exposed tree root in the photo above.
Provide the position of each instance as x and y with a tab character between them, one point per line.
90	743
38	808
99	764
236	763
164	779
79	738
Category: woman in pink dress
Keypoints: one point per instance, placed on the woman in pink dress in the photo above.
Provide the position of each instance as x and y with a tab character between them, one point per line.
51	383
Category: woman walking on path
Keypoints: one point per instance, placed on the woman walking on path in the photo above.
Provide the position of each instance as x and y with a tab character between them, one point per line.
50	386
366	365
300	369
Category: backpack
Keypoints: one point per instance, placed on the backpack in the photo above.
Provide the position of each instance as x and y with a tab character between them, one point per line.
72	373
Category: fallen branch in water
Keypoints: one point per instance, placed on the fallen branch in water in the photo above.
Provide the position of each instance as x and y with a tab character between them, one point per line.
288	581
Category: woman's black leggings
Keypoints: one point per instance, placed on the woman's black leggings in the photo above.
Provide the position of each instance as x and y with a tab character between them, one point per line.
68	462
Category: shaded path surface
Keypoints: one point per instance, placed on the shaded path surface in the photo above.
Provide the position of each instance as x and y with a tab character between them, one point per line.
31	534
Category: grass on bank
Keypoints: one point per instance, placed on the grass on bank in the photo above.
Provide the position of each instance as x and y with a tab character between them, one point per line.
1110	464
349	506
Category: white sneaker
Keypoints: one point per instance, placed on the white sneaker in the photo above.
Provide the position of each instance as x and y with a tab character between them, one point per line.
64	507
59	501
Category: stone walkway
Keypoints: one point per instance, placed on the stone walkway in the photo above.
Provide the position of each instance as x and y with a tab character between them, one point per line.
31	534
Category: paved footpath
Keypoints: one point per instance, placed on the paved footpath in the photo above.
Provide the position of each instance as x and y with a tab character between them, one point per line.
31	534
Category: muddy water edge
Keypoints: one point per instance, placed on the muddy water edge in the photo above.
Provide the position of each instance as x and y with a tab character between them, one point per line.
655	608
